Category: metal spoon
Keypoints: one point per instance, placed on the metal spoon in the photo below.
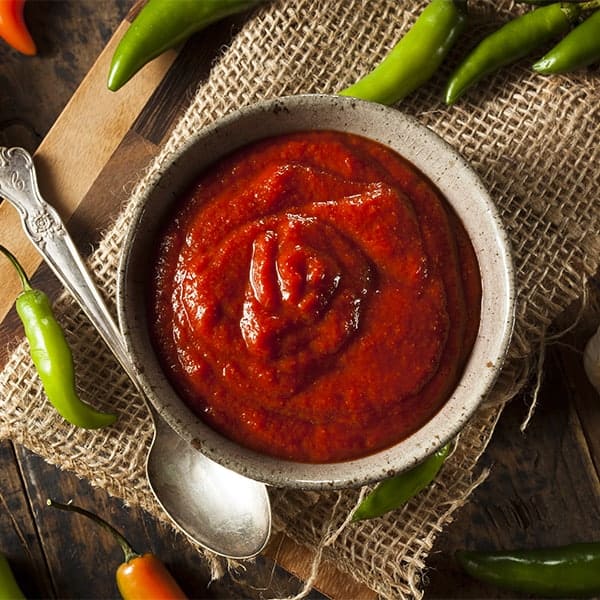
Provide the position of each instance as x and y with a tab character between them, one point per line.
219	509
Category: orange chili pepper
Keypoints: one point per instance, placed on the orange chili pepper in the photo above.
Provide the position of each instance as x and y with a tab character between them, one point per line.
13	29
143	577
140	576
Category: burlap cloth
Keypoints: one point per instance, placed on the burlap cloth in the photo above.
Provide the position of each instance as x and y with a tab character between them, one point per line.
535	143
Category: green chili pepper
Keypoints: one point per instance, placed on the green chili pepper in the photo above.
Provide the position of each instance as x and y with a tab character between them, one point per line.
394	492
52	356
515	40
9	588
161	25
564	571
578	49
416	57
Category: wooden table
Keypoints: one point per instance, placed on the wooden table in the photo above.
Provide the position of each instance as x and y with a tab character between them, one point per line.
543	488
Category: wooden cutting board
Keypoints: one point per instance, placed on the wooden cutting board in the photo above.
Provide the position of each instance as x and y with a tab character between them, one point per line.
88	164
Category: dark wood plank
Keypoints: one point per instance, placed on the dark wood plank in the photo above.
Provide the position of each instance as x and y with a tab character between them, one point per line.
191	66
69	36
19	540
87	224
71	157
83	559
585	400
543	489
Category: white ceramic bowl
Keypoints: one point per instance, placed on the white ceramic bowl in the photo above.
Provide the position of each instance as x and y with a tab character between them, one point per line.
432	156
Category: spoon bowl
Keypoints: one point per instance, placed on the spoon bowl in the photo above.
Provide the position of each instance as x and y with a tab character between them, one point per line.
219	509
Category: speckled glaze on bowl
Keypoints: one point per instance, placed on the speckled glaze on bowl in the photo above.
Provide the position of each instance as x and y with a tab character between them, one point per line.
436	159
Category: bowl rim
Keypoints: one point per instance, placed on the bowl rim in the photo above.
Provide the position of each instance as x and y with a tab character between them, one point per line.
450	172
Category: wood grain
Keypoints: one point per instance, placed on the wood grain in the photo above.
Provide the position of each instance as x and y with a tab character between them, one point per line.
76	149
18	533
329	579
543	488
88	182
70	563
34	90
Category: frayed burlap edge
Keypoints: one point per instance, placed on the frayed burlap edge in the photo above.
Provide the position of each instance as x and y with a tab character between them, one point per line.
541	197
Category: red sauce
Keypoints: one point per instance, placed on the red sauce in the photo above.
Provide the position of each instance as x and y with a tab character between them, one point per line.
314	297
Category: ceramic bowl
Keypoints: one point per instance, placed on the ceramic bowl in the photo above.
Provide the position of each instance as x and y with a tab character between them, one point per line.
438	161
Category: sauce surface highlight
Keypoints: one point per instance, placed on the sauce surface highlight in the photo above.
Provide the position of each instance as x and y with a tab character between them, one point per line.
314	297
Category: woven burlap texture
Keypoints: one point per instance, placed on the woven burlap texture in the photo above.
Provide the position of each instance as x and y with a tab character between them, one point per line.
535	143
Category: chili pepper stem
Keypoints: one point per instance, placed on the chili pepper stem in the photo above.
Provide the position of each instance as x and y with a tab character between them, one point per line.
573	10
590	5
140	576
51	354
20	271
128	551
513	41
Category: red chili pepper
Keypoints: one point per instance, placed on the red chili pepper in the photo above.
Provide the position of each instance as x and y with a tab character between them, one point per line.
140	576
13	29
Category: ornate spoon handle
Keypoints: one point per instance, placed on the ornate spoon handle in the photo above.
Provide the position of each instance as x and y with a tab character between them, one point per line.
221	510
44	227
